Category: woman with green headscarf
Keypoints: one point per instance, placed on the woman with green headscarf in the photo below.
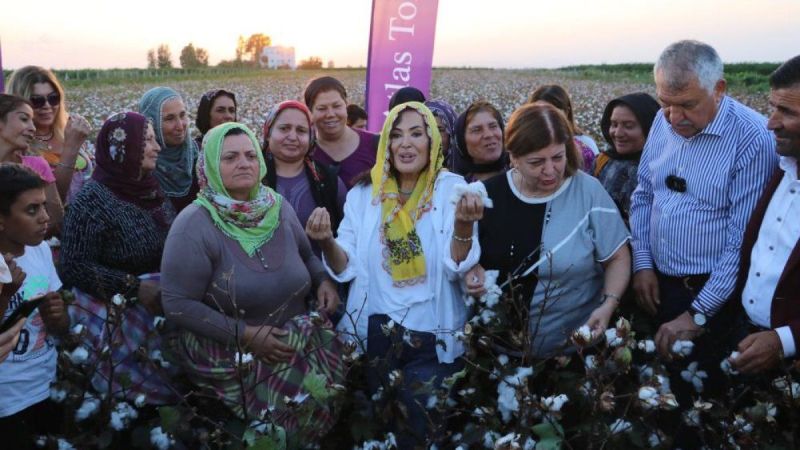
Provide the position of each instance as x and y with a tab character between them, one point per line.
404	243
237	273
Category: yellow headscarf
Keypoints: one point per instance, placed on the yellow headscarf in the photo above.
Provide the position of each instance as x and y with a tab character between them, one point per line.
405	260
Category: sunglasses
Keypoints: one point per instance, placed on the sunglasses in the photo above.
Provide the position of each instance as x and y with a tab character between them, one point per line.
38	101
676	183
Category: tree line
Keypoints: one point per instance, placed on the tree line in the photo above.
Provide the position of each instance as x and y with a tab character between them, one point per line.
248	54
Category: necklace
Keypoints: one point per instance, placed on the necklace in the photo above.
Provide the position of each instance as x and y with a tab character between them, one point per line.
405	192
261	257
44	137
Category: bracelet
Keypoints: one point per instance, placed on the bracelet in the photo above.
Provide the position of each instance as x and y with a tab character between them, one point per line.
606	296
66	166
461	239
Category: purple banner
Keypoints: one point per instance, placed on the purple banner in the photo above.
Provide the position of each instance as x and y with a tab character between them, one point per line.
2	74
400	52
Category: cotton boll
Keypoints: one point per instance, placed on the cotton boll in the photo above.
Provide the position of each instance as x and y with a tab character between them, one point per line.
79	355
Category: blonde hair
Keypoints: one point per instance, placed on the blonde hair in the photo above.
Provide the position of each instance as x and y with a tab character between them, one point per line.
21	84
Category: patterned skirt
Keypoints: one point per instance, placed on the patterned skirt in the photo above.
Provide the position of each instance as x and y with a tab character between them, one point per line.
127	353
298	395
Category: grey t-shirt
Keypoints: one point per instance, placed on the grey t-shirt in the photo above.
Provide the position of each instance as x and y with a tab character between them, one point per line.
207	279
582	229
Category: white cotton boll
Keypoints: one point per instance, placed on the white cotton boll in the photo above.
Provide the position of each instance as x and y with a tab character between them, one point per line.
647	346
159	439
582	336
492	295
648	397
694	376
118	299
507	403
41	441
620	426
89	406
79	355
57	395
590	362
530	444
509	439
654	440
140	400
612	338
727	367
476	187
158	322
77	329
682	348
489	438
502	359
487	315
122	415
554	403
243	358
64	444
692	418
742	425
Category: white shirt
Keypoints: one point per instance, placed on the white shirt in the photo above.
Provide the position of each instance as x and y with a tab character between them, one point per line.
26	375
777	237
437	305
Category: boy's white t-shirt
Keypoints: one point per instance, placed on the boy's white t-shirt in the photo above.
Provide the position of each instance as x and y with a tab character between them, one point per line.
26	375
5	273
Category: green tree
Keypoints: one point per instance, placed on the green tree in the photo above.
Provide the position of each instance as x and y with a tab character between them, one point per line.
312	63
164	57
151	59
255	44
192	57
240	48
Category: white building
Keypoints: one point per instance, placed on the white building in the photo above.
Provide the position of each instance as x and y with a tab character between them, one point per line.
276	56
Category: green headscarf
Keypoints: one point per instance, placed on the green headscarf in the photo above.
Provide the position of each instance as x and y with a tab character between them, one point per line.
252	222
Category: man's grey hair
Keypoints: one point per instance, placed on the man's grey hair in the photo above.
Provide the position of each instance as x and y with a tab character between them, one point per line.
683	60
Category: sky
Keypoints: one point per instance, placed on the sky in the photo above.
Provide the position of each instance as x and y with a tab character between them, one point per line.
479	33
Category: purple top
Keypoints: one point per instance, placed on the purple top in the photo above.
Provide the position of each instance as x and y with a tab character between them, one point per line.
360	161
297	191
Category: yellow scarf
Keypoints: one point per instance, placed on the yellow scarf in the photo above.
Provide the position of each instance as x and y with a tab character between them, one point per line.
404	256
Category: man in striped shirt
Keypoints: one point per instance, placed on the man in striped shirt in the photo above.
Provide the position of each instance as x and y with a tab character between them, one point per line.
705	163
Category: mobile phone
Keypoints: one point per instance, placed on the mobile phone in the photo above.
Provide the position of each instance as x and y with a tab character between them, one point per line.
25	309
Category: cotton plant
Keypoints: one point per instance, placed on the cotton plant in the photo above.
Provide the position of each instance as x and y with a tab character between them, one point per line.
160	439
726	366
692	374
682	348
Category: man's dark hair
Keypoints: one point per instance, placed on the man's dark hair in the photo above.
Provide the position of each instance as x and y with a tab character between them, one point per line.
787	75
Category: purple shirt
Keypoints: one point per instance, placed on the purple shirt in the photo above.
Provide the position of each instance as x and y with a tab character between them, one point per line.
361	160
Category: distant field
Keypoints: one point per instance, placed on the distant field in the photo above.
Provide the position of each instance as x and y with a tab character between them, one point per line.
96	94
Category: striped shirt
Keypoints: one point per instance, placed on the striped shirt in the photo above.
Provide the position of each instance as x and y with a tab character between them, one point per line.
726	167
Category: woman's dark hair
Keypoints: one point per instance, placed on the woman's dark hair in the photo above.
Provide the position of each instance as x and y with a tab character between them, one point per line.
473	109
320	85
14	180
354	113
535	126
558	97
234	132
9	103
405	95
642	105
206	105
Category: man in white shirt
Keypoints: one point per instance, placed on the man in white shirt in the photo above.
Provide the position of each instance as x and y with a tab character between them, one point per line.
769	276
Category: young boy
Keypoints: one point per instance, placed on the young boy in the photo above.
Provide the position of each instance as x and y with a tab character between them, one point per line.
25	409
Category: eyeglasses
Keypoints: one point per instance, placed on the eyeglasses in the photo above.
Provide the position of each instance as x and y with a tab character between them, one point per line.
676	183
38	101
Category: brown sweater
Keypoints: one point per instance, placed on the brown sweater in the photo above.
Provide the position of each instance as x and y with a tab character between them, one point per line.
206	277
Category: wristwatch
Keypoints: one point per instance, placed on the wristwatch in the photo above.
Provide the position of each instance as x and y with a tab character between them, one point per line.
698	317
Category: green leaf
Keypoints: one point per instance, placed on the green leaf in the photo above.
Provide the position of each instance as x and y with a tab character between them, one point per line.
550	435
170	418
317	385
448	382
276	440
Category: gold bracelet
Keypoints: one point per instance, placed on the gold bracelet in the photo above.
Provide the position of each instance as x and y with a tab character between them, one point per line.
606	296
461	239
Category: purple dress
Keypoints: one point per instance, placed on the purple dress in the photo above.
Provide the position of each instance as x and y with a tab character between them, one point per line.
360	161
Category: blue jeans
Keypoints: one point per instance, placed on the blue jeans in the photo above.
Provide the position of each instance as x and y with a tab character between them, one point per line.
418	364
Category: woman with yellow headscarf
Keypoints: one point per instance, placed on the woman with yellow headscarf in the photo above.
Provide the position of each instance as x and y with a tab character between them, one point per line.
404	246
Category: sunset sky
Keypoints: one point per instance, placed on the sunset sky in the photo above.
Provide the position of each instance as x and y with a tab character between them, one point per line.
493	33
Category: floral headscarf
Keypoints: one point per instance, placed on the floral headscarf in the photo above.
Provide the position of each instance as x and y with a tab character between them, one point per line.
251	222
119	152
175	164
445	111
280	107
405	260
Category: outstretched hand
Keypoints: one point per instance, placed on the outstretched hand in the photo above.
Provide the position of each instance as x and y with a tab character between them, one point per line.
318	226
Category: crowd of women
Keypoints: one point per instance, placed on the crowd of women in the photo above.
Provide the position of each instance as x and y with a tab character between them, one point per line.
246	246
